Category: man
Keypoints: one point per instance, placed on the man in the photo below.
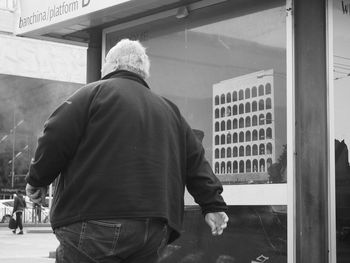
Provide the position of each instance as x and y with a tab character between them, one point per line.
122	155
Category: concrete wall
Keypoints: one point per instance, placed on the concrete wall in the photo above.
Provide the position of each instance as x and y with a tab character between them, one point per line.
42	59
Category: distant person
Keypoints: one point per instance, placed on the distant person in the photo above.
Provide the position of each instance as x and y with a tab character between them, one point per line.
37	210
122	155
18	209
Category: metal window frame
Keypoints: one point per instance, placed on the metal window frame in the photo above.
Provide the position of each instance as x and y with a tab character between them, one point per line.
331	135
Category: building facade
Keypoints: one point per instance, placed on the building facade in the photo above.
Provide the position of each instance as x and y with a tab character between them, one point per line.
243	128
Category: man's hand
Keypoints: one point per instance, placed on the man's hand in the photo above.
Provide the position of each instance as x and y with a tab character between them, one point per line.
217	222
36	194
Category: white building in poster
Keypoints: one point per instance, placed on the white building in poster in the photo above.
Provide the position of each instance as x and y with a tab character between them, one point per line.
244	127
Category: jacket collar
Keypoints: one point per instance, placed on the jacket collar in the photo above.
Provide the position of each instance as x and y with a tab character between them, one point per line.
126	75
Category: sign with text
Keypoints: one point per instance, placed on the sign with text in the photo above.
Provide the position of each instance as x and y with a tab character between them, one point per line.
37	14
345	7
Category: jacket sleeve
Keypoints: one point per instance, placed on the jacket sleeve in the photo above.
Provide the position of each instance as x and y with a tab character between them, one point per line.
201	182
60	139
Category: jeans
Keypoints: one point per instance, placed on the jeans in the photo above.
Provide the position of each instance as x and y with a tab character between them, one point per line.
19	220
117	240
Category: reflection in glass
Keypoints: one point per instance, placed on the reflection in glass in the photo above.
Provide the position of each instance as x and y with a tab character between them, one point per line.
341	104
224	67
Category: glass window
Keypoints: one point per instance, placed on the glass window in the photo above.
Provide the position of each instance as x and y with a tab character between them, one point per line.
217	126
255	165
268	133
254	106
262	165
223	168
228	138
261	149
241	151
261	105
228	97
222	152
235	166
241	166
248	150
255	149
254	92
234	110
229	125
229	152
241	123
228	111
222	125
241	95
228	169
261	119
248	136
261	90
217	113
248	166
223	99
255	135
247	107
217	155
223	112
215	51
217	100
235	124
217	140
241	108
223	139
234	152
235	138
341	140
247	121
234	96
268	88
262	134
255	120
241	137
247	93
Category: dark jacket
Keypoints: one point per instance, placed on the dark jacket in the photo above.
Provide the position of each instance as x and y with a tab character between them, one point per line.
19	203
122	152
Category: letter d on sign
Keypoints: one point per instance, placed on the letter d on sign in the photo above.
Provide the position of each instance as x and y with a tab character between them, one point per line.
85	3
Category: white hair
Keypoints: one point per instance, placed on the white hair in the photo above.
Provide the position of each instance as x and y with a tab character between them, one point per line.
127	55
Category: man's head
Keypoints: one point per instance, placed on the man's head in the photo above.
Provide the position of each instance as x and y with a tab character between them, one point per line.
127	55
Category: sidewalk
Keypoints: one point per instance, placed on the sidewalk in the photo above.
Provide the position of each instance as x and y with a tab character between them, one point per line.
35	246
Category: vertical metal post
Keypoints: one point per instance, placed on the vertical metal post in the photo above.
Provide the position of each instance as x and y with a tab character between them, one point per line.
94	53
13	149
311	136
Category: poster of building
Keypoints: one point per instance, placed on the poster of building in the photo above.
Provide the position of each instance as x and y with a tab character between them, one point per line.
244	128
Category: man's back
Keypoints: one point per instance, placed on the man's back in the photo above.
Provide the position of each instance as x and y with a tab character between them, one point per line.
132	155
123	155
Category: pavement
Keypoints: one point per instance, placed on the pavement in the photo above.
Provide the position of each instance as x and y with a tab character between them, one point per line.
36	245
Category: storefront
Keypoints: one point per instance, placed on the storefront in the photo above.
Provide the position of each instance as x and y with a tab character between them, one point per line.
256	79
